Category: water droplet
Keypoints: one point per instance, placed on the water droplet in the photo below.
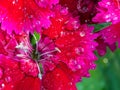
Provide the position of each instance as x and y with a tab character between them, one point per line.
75	62
79	66
85	9
79	50
38	22
114	36
20	7
107	16
64	11
109	29
82	34
105	60
15	1
3	85
115	18
108	3
62	33
70	83
108	20
12	86
57	74
86	21
8	79
31	16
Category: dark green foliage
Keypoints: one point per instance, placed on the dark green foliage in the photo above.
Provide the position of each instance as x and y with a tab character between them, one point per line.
99	27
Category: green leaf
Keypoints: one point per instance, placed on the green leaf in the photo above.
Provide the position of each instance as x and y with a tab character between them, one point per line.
101	26
34	38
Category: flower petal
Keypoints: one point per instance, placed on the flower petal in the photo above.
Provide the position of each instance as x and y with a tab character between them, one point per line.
23	15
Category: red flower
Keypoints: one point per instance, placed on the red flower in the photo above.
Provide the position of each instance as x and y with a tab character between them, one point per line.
75	50
63	55
61	21
14	78
58	79
23	15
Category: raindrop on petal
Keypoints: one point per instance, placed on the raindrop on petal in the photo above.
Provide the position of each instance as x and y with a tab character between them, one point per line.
82	34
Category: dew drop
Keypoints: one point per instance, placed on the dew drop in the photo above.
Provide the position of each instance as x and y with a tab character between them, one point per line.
31	16
115	18
15	1
108	20
75	61
82	34
3	85
57	74
70	83
8	79
86	21
62	33
20	7
114	36
79	66
108	3
2	19
107	16
79	50
108	29
12	86
105	60
38	22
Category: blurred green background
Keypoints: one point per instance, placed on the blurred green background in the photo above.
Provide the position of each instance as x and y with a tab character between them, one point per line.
106	76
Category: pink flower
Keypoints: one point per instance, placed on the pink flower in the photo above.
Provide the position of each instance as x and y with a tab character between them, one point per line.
23	15
109	11
101	48
46	3
111	34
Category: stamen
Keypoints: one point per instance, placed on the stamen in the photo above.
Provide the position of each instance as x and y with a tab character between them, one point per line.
46	46
58	50
21	55
44	59
48	52
39	75
23	47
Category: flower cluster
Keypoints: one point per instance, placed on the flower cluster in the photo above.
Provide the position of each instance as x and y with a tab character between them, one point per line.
109	11
64	51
